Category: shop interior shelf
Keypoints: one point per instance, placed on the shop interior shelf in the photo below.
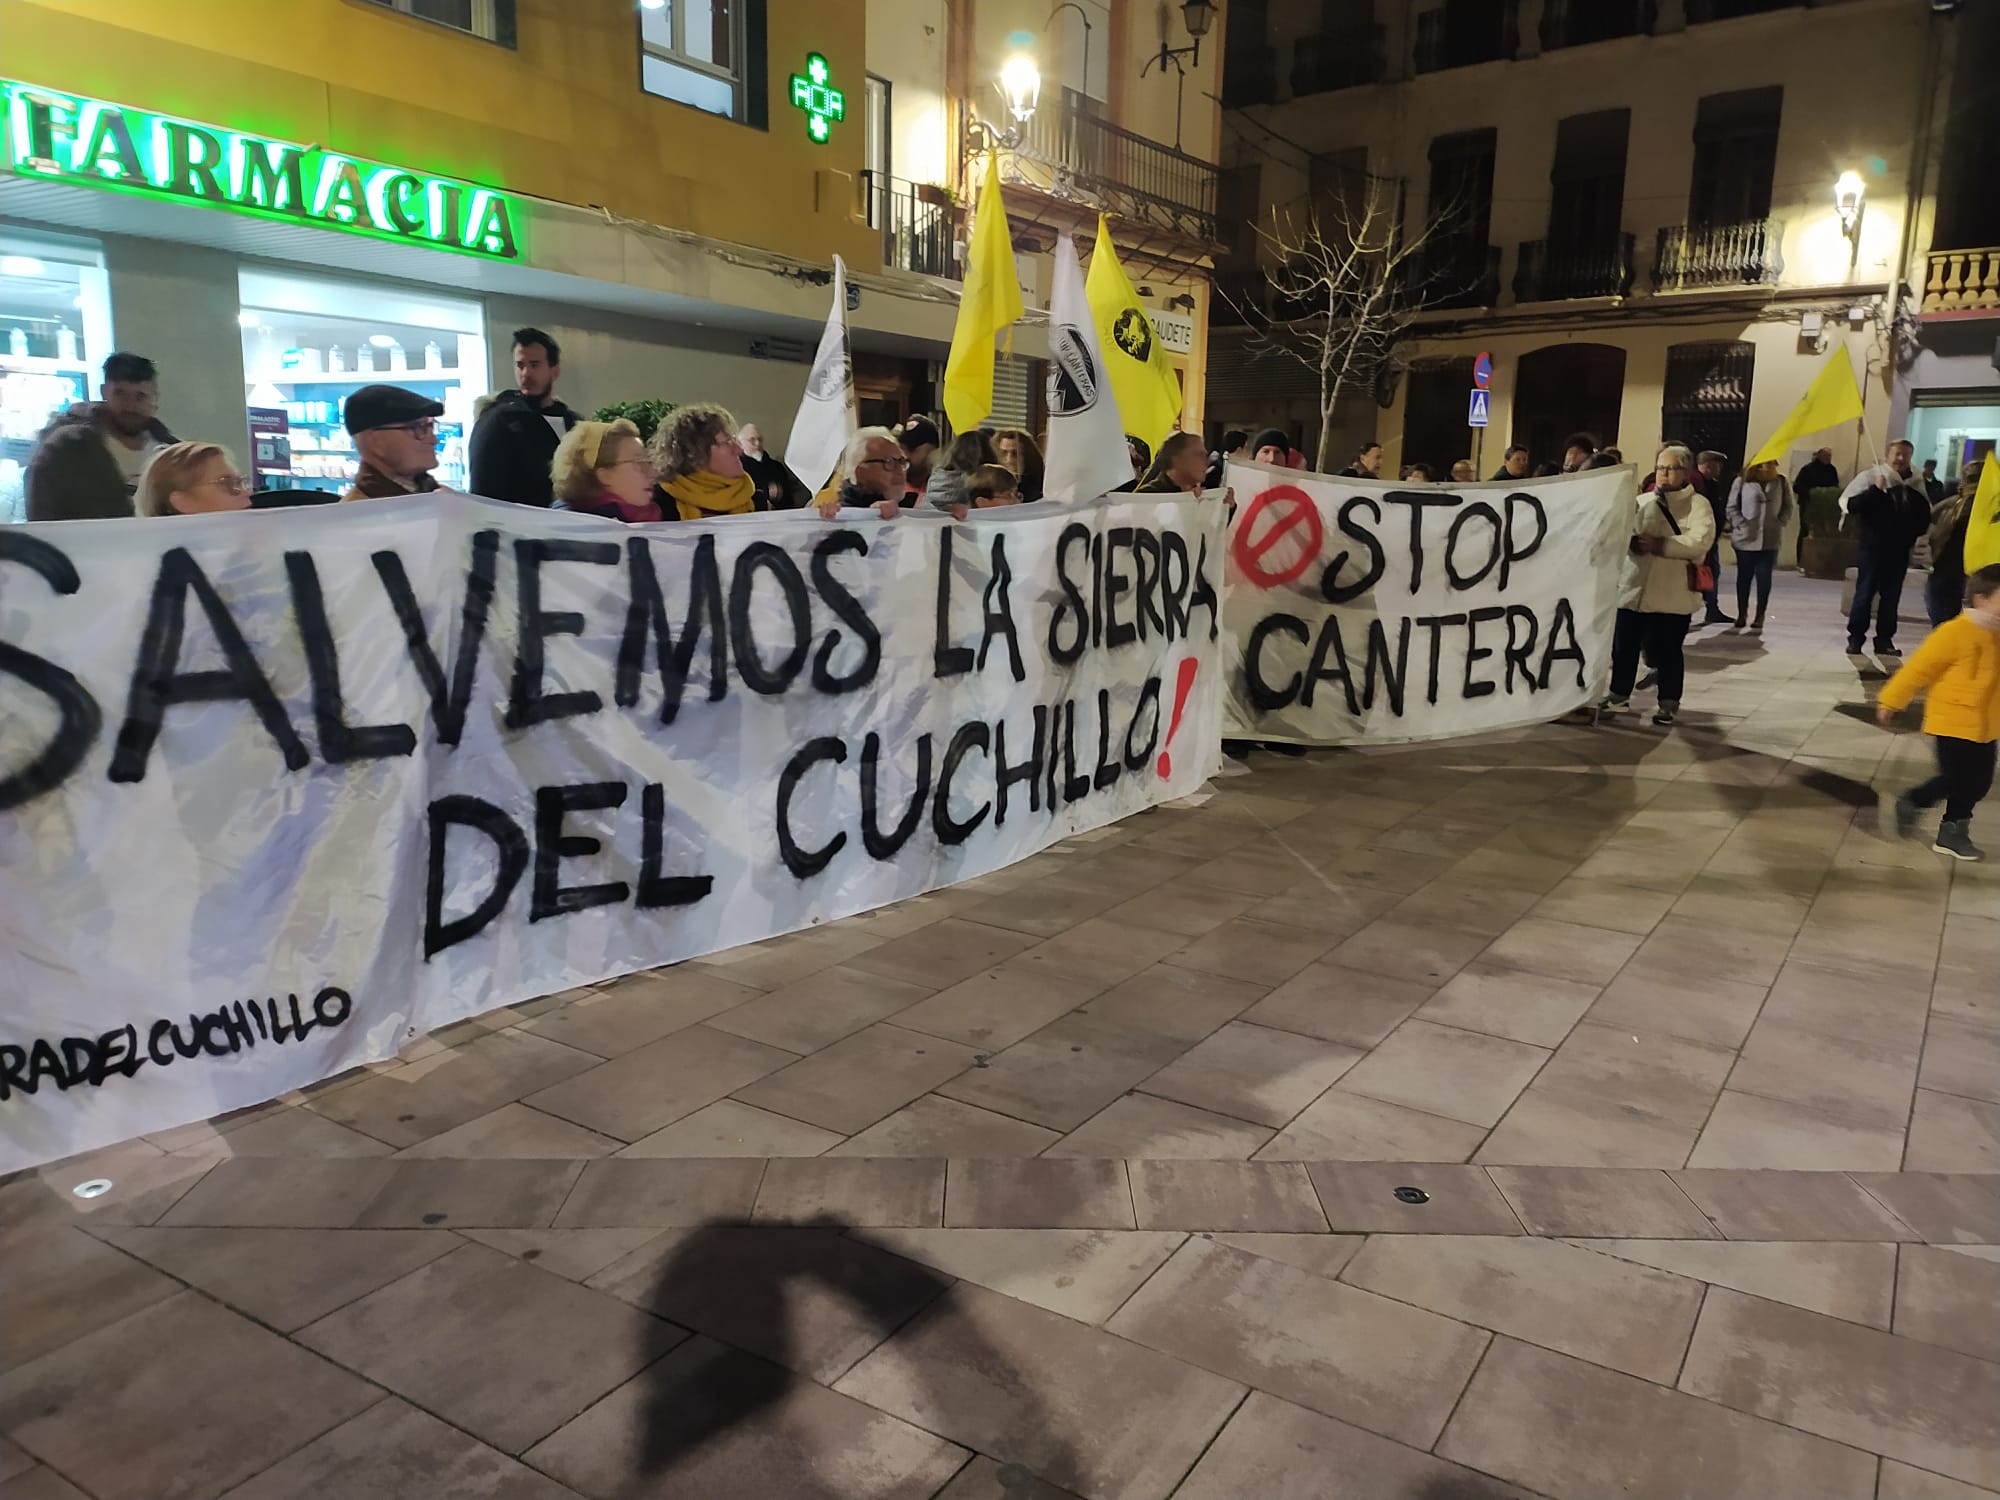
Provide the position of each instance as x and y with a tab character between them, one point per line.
364	377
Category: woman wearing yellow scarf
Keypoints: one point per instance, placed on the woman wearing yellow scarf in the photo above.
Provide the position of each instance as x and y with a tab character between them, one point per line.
701	465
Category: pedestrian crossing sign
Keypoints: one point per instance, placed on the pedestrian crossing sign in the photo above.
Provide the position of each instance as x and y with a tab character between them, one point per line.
1475	415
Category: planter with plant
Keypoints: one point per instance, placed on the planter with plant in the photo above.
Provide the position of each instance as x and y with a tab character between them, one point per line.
1827	547
644	415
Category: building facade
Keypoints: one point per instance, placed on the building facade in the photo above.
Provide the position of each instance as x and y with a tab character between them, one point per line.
385	189
1658	217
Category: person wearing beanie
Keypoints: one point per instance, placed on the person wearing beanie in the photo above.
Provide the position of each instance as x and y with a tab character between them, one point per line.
395	432
1271	446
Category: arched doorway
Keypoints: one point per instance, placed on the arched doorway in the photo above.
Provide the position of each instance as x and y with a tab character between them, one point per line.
1567	388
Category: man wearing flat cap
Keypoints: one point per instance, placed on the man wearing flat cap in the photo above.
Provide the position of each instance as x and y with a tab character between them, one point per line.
395	432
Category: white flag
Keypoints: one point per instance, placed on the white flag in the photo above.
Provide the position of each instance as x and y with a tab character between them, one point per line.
826	418
1086	450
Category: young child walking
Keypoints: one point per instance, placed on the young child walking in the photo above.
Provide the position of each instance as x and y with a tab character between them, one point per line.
1959	664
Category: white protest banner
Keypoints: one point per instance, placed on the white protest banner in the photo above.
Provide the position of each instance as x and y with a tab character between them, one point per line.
1361	612
281	789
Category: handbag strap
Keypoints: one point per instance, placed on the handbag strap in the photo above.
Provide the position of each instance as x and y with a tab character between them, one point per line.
1666	510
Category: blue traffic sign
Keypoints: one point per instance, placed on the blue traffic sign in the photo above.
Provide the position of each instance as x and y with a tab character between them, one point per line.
1475	415
1482	370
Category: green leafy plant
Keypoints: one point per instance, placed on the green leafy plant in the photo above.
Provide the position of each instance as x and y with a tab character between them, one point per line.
1819	513
644	415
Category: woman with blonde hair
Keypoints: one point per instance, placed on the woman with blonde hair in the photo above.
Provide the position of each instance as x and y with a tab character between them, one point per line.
1759	509
701	464
191	479
602	469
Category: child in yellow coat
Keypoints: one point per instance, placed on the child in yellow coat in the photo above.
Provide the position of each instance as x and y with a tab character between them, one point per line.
1960	665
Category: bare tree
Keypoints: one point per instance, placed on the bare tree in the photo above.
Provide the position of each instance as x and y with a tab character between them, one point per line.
1346	276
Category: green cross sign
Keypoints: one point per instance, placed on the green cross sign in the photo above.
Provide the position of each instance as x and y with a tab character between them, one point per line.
822	103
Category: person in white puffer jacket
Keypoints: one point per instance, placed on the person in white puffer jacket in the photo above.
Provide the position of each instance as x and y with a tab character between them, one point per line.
1672	529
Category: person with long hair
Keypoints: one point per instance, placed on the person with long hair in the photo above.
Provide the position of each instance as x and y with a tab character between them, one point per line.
969	450
1759	509
1017	450
1180	467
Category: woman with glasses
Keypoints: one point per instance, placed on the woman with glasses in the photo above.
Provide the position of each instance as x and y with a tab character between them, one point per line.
191	479
602	468
1672	529
701	465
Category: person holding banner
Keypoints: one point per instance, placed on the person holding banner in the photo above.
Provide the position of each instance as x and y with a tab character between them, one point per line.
873	471
1671	534
1180	468
603	469
969	450
191	479
395	432
701	465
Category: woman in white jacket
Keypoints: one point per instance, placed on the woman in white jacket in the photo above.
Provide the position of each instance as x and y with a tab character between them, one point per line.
1760	508
1672	530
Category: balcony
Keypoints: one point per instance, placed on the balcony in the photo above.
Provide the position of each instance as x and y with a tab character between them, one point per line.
1326	61
1963	281
1688	256
1249	76
1455	273
1578	23
1557	272
917	224
1486	37
1071	154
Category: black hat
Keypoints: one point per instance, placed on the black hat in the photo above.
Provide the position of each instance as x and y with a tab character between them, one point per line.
376	406
1271	437
916	432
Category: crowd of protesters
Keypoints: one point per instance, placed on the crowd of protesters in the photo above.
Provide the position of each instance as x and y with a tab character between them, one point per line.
114	457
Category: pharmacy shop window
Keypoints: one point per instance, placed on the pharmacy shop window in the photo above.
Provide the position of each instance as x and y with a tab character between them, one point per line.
308	344
55	331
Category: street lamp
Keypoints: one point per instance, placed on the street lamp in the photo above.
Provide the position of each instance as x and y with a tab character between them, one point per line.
1847	195
1021	86
1197	16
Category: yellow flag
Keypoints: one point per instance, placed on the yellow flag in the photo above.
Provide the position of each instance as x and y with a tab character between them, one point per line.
1831	399
1146	388
989	301
1982	529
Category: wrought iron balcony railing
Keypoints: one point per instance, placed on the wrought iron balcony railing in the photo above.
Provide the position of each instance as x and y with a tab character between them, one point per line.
1710	255
1558	271
918	225
1069	152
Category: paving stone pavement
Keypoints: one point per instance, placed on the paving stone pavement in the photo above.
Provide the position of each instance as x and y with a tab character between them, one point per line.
1581	1112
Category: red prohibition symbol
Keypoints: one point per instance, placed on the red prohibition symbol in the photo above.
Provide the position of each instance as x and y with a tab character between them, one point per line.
1282	520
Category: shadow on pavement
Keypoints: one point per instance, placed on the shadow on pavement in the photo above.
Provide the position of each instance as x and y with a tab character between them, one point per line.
744	1284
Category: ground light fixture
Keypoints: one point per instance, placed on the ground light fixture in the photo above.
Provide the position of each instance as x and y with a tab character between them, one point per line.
1848	191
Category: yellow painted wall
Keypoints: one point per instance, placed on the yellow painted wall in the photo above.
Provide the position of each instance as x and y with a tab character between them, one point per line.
559	116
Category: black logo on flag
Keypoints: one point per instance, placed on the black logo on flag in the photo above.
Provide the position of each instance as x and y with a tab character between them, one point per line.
1132	333
1073	376
831	375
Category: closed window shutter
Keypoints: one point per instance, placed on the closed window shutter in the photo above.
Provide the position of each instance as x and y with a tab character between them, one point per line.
1014	378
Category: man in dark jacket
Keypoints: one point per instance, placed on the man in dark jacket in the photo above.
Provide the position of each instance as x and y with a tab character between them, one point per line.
1513	463
515	438
1367	463
87	465
1889	515
777	487
873	470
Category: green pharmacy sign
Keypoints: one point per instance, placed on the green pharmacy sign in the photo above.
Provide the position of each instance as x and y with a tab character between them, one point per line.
71	138
813	93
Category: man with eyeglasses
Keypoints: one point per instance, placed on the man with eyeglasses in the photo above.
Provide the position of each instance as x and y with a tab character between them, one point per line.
874	471
395	432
